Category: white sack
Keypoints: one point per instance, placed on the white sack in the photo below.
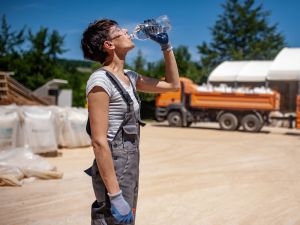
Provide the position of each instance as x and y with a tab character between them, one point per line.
19	163
75	129
9	125
39	130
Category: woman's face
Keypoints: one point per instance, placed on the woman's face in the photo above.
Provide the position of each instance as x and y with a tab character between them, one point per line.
119	36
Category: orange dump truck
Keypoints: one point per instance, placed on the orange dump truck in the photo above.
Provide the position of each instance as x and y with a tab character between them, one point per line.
231	110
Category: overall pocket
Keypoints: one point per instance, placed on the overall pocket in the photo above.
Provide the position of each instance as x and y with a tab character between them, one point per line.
130	137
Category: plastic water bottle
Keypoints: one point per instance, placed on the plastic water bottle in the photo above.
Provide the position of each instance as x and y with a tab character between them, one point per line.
162	25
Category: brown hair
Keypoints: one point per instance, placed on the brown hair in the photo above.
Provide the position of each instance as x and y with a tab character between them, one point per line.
94	37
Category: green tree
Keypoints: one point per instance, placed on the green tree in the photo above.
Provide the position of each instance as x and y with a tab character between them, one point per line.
10	46
242	32
139	62
156	69
10	41
186	67
40	61
76	72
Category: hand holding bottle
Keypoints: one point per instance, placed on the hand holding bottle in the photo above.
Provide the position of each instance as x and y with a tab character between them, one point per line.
154	29
157	33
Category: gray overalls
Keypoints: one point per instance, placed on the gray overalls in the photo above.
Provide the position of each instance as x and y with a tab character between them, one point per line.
125	154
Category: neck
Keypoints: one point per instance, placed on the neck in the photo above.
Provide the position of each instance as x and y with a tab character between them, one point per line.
115	64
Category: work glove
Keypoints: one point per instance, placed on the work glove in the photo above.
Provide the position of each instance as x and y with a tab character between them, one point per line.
120	209
162	38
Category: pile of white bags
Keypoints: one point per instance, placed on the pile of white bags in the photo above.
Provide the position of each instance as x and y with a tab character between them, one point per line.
59	114
74	129
9	128
38	129
227	89
43	128
19	164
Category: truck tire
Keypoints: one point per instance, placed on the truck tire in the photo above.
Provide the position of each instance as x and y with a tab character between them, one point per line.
261	119
228	121
175	119
252	123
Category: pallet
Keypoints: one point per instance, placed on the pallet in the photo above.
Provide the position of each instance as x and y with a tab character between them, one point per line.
11	91
51	154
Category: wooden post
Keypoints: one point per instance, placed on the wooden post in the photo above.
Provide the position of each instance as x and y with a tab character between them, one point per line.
3	87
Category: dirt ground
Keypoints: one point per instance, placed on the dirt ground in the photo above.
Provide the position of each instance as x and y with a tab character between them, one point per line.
198	175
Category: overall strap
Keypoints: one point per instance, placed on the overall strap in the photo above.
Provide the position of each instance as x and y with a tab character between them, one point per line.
134	89
125	95
142	123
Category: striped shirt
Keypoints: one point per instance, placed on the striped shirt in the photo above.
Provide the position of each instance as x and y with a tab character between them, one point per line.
117	105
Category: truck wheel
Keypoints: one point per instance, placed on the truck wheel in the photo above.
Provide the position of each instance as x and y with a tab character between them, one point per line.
175	119
228	121
261	119
251	123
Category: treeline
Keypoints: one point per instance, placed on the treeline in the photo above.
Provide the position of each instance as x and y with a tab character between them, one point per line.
241	32
33	57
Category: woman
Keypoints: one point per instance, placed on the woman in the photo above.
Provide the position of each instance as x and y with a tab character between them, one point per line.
114	117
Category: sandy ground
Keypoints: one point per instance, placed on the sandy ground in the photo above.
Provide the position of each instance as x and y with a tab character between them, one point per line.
198	175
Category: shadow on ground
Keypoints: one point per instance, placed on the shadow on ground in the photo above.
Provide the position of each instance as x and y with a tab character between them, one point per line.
208	128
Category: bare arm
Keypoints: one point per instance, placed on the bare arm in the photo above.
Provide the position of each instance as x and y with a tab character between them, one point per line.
98	105
171	83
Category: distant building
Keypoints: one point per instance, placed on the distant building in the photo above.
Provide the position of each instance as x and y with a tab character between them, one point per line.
52	93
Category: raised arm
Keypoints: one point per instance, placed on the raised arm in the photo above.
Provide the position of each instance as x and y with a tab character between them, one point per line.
171	82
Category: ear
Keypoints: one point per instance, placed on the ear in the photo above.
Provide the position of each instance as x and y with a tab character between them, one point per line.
108	45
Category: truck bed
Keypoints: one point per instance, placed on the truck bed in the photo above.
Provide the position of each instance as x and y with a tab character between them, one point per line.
235	101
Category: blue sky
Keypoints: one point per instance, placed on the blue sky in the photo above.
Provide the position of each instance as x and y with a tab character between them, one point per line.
190	20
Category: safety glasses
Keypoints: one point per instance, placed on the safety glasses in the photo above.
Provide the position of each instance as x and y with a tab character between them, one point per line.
117	32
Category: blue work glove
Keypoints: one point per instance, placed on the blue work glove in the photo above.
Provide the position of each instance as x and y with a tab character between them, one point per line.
161	37
120	209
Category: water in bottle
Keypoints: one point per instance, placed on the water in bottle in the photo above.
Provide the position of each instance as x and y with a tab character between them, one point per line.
162	24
